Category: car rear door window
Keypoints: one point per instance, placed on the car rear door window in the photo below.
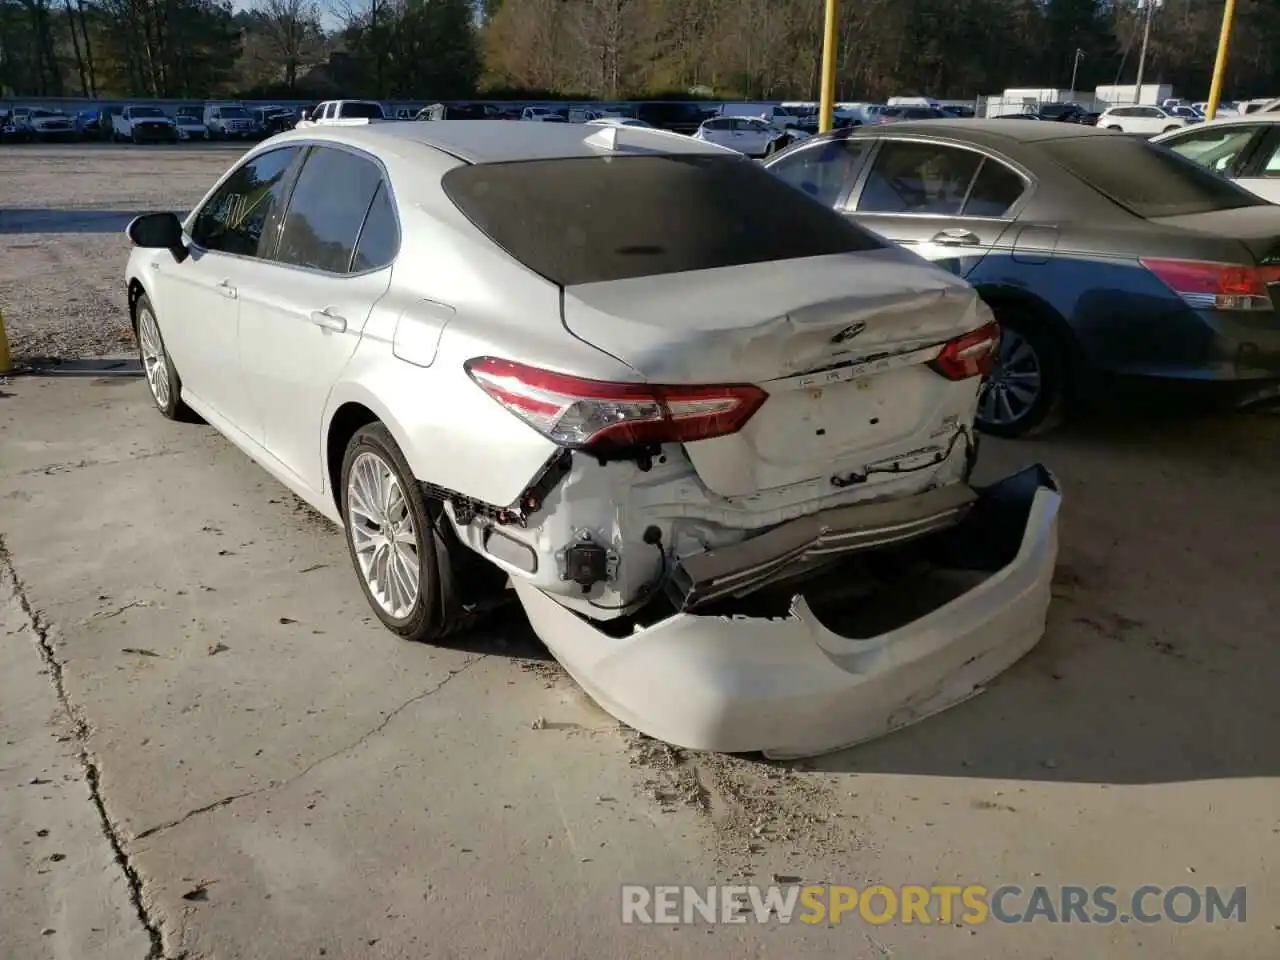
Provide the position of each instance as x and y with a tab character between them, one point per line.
234	219
824	171
911	177
327	209
380	236
995	190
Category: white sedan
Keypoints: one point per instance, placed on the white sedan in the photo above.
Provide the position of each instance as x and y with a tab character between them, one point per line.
631	375
754	136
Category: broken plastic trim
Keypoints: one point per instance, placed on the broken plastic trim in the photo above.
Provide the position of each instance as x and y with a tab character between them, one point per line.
789	549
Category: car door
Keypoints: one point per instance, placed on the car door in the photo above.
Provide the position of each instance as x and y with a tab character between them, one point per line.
825	171
198	299
1152	120
751	136
949	204
303	314
719	131
1260	171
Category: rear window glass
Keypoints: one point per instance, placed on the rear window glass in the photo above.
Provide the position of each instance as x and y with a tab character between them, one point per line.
361	111
593	219
1146	179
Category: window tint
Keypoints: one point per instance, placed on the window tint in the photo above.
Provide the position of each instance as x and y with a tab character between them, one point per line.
824	171
994	192
357	108
233	219
1144	178
719	124
380	236
585	220
1214	148
326	210
918	178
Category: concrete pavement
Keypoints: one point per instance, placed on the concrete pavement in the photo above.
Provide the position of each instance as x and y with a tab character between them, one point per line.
282	778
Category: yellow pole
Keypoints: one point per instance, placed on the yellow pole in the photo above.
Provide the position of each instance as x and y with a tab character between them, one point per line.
6	361
1220	65
827	107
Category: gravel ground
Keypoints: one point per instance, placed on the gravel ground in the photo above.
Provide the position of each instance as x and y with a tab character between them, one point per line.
62	252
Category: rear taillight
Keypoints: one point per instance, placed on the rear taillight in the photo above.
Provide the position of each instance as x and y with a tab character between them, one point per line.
972	355
1216	286
578	413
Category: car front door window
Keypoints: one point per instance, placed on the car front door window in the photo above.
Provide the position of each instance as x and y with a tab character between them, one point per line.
824	171
234	219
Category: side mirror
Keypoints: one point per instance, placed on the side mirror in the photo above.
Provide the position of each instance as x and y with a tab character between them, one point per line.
158	231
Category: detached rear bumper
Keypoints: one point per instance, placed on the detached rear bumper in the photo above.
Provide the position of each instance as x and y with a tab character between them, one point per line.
792	686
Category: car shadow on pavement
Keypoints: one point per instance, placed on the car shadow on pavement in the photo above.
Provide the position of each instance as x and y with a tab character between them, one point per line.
1163	642
504	633
64	221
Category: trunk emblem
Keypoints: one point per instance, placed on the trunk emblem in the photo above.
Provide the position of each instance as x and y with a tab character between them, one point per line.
849	332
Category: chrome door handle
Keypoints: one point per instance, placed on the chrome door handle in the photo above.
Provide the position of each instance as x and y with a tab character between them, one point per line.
227	290
957	238
327	320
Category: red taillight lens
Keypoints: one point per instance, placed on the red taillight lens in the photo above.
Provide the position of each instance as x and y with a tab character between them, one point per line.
1215	286
577	413
972	355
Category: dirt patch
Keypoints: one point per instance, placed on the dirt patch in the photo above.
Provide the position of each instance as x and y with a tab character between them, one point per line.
758	810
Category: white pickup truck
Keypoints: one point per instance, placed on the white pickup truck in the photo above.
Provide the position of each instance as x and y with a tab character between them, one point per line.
344	113
141	123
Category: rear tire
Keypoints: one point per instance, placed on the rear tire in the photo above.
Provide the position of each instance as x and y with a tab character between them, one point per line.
1170	129
402	544
1112	126
1026	394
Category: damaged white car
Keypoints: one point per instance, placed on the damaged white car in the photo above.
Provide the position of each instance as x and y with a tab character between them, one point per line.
716	437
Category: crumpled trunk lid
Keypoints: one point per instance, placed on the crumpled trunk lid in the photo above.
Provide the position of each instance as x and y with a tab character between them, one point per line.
841	344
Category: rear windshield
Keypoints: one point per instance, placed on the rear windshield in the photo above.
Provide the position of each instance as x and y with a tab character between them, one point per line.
1145	179
593	219
366	111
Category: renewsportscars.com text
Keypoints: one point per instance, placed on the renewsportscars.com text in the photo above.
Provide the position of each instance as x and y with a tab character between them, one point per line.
970	904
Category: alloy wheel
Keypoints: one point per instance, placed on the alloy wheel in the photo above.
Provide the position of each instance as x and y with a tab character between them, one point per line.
382	533
155	363
1013	388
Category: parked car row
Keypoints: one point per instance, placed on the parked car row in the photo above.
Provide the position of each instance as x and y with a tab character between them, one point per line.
146	123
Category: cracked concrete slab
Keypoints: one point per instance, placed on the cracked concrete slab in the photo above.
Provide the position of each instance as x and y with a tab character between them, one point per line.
64	892
282	777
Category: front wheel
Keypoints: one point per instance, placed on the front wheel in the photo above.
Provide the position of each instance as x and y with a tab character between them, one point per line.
162	378
1026	392
403	546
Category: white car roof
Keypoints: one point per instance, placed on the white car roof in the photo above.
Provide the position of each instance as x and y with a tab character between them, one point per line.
497	141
